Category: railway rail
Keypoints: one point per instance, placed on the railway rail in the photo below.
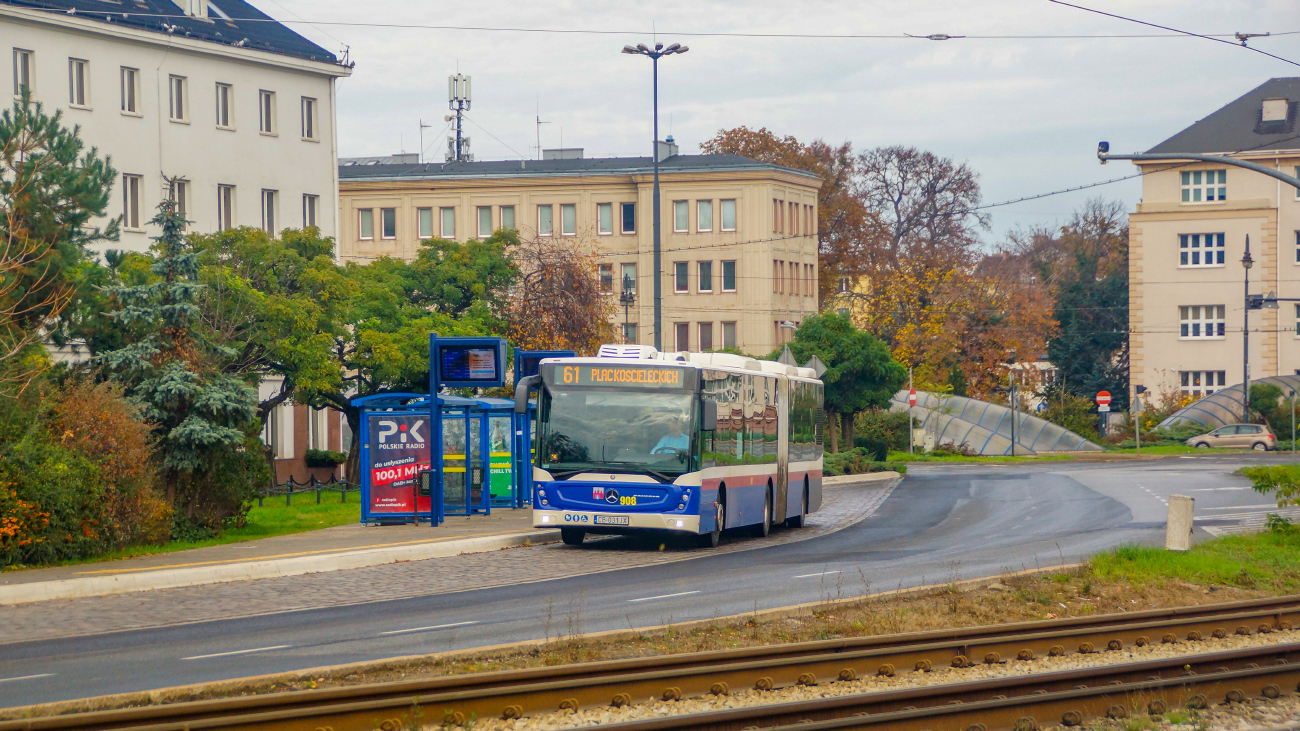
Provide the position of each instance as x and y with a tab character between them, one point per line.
517	693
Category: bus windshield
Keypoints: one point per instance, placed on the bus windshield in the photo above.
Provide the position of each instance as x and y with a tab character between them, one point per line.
612	430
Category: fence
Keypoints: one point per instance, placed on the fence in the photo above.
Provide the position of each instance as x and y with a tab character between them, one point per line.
287	489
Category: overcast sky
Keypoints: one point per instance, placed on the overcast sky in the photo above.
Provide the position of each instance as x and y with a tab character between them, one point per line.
1024	113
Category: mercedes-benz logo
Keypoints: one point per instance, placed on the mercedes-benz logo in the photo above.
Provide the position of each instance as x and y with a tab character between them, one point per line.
611	497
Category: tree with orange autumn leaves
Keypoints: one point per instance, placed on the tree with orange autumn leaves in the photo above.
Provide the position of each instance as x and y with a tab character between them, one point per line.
900	253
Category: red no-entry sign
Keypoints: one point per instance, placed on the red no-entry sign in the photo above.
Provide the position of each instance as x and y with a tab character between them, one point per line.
1103	398
911	397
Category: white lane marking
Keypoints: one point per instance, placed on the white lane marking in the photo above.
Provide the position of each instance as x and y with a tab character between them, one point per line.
824	573
237	652
425	629
663	596
27	677
1246	507
1220	489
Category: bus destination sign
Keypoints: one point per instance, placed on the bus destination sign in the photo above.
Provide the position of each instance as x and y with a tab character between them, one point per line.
620	376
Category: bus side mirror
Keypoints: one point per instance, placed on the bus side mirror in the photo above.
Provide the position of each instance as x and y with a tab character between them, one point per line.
521	393
709	416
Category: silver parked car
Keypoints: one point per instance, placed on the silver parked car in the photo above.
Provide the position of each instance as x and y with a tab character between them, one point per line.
1238	436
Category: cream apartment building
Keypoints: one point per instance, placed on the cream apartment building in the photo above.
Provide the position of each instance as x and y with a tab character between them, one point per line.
214	92
1187	238
739	238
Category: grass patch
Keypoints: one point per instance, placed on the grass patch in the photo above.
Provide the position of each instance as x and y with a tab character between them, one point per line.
1269	561
274	519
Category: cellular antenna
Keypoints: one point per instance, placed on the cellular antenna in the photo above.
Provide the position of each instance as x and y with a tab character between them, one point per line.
458	100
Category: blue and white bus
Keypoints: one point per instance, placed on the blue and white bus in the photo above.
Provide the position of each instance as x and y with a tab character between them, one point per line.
634	441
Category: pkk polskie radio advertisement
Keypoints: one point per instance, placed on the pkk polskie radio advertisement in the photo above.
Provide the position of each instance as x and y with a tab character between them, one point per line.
399	452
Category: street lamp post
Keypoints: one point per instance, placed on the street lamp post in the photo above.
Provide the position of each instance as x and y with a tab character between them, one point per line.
1246	262
626	298
655	54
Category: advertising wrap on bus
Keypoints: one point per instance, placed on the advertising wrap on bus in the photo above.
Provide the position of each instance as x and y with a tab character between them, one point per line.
399	449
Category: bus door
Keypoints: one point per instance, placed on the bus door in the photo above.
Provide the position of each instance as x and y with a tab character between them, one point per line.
782	448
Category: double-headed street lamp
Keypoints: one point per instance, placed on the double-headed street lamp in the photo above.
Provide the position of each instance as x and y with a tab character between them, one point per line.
659	51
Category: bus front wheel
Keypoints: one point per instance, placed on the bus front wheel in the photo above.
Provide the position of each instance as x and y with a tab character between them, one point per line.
572	536
712	538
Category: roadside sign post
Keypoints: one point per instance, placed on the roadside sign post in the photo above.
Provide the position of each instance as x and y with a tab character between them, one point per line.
1103	406
911	404
1137	416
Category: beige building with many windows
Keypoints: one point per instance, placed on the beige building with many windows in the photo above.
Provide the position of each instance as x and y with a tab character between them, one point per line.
1187	238
739	237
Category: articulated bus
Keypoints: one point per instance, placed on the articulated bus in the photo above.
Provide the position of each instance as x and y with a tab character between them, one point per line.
635	441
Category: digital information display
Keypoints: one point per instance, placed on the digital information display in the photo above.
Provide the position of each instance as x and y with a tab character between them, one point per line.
528	361
621	376
469	362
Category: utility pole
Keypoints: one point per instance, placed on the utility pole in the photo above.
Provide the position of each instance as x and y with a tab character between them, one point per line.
911	388
1246	263
458	100
1013	413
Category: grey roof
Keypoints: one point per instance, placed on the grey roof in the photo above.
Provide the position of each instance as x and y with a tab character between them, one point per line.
1236	126
551	168
236	24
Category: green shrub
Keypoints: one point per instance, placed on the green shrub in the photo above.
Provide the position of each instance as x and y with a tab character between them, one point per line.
324	458
889	427
857	461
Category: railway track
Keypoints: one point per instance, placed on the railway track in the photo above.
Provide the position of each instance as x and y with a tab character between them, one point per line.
517	693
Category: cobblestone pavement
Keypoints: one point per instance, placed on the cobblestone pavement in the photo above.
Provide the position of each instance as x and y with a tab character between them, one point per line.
841	507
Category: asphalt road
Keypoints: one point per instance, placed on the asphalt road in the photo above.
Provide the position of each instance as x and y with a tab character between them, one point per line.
943	523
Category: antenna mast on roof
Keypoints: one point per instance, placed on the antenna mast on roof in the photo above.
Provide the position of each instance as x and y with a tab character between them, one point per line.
458	100
423	127
539	130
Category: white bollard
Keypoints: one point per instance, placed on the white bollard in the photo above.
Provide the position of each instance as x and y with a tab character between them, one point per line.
1178	529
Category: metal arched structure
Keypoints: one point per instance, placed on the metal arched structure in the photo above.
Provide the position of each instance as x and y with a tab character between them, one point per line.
1225	406
986	427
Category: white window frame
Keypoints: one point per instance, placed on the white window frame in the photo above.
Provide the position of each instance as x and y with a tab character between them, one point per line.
701	328
387	215
1194	321
1198	383
180	193
424	222
722	276
447	222
723	333
681	217
681	277
568	219
78	83
507	212
131	212
484	231
266	121
225	207
223	106
605	275
626	271
678	329
724	208
1297	320
130	81
270	211
1197	190
701	277
1194	249
622	218
310	120
178	99
604	219
704	210
545	225
310	210
24	71
365	216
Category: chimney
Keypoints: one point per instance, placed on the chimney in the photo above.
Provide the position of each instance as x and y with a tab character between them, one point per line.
1274	110
666	148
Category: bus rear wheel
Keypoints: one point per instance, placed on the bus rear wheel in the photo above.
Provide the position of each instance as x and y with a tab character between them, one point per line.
572	536
712	538
762	529
796	521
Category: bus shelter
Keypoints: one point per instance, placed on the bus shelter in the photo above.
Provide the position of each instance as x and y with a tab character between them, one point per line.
478	445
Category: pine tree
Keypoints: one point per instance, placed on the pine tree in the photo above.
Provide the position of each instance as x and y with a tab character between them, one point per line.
201	415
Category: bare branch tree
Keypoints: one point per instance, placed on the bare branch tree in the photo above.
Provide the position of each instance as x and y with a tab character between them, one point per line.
557	302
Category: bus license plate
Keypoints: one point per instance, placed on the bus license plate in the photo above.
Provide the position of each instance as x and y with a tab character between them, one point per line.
612	520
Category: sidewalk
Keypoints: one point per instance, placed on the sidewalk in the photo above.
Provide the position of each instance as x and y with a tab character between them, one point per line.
330	549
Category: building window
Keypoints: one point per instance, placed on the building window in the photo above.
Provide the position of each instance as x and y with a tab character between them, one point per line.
706	336
604	219
366	224
1201	383
1200	250
682	330
1297	322
310	206
706	276
1297	247
681	277
266	112
681	216
568	219
842	285
225	207
729	215
776	276
308	118
508	217
776	216
703	216
270	199
628	278
606	278
318	429
545	220
223	106
23	63
1203	186
629	218
178	96
388	223
629	333
131	202
728	334
77	94
130	90
484	221
424	222
448	216
1201	321
180	195
728	276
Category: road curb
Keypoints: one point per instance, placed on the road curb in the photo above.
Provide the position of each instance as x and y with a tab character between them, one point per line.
841	480
265	569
